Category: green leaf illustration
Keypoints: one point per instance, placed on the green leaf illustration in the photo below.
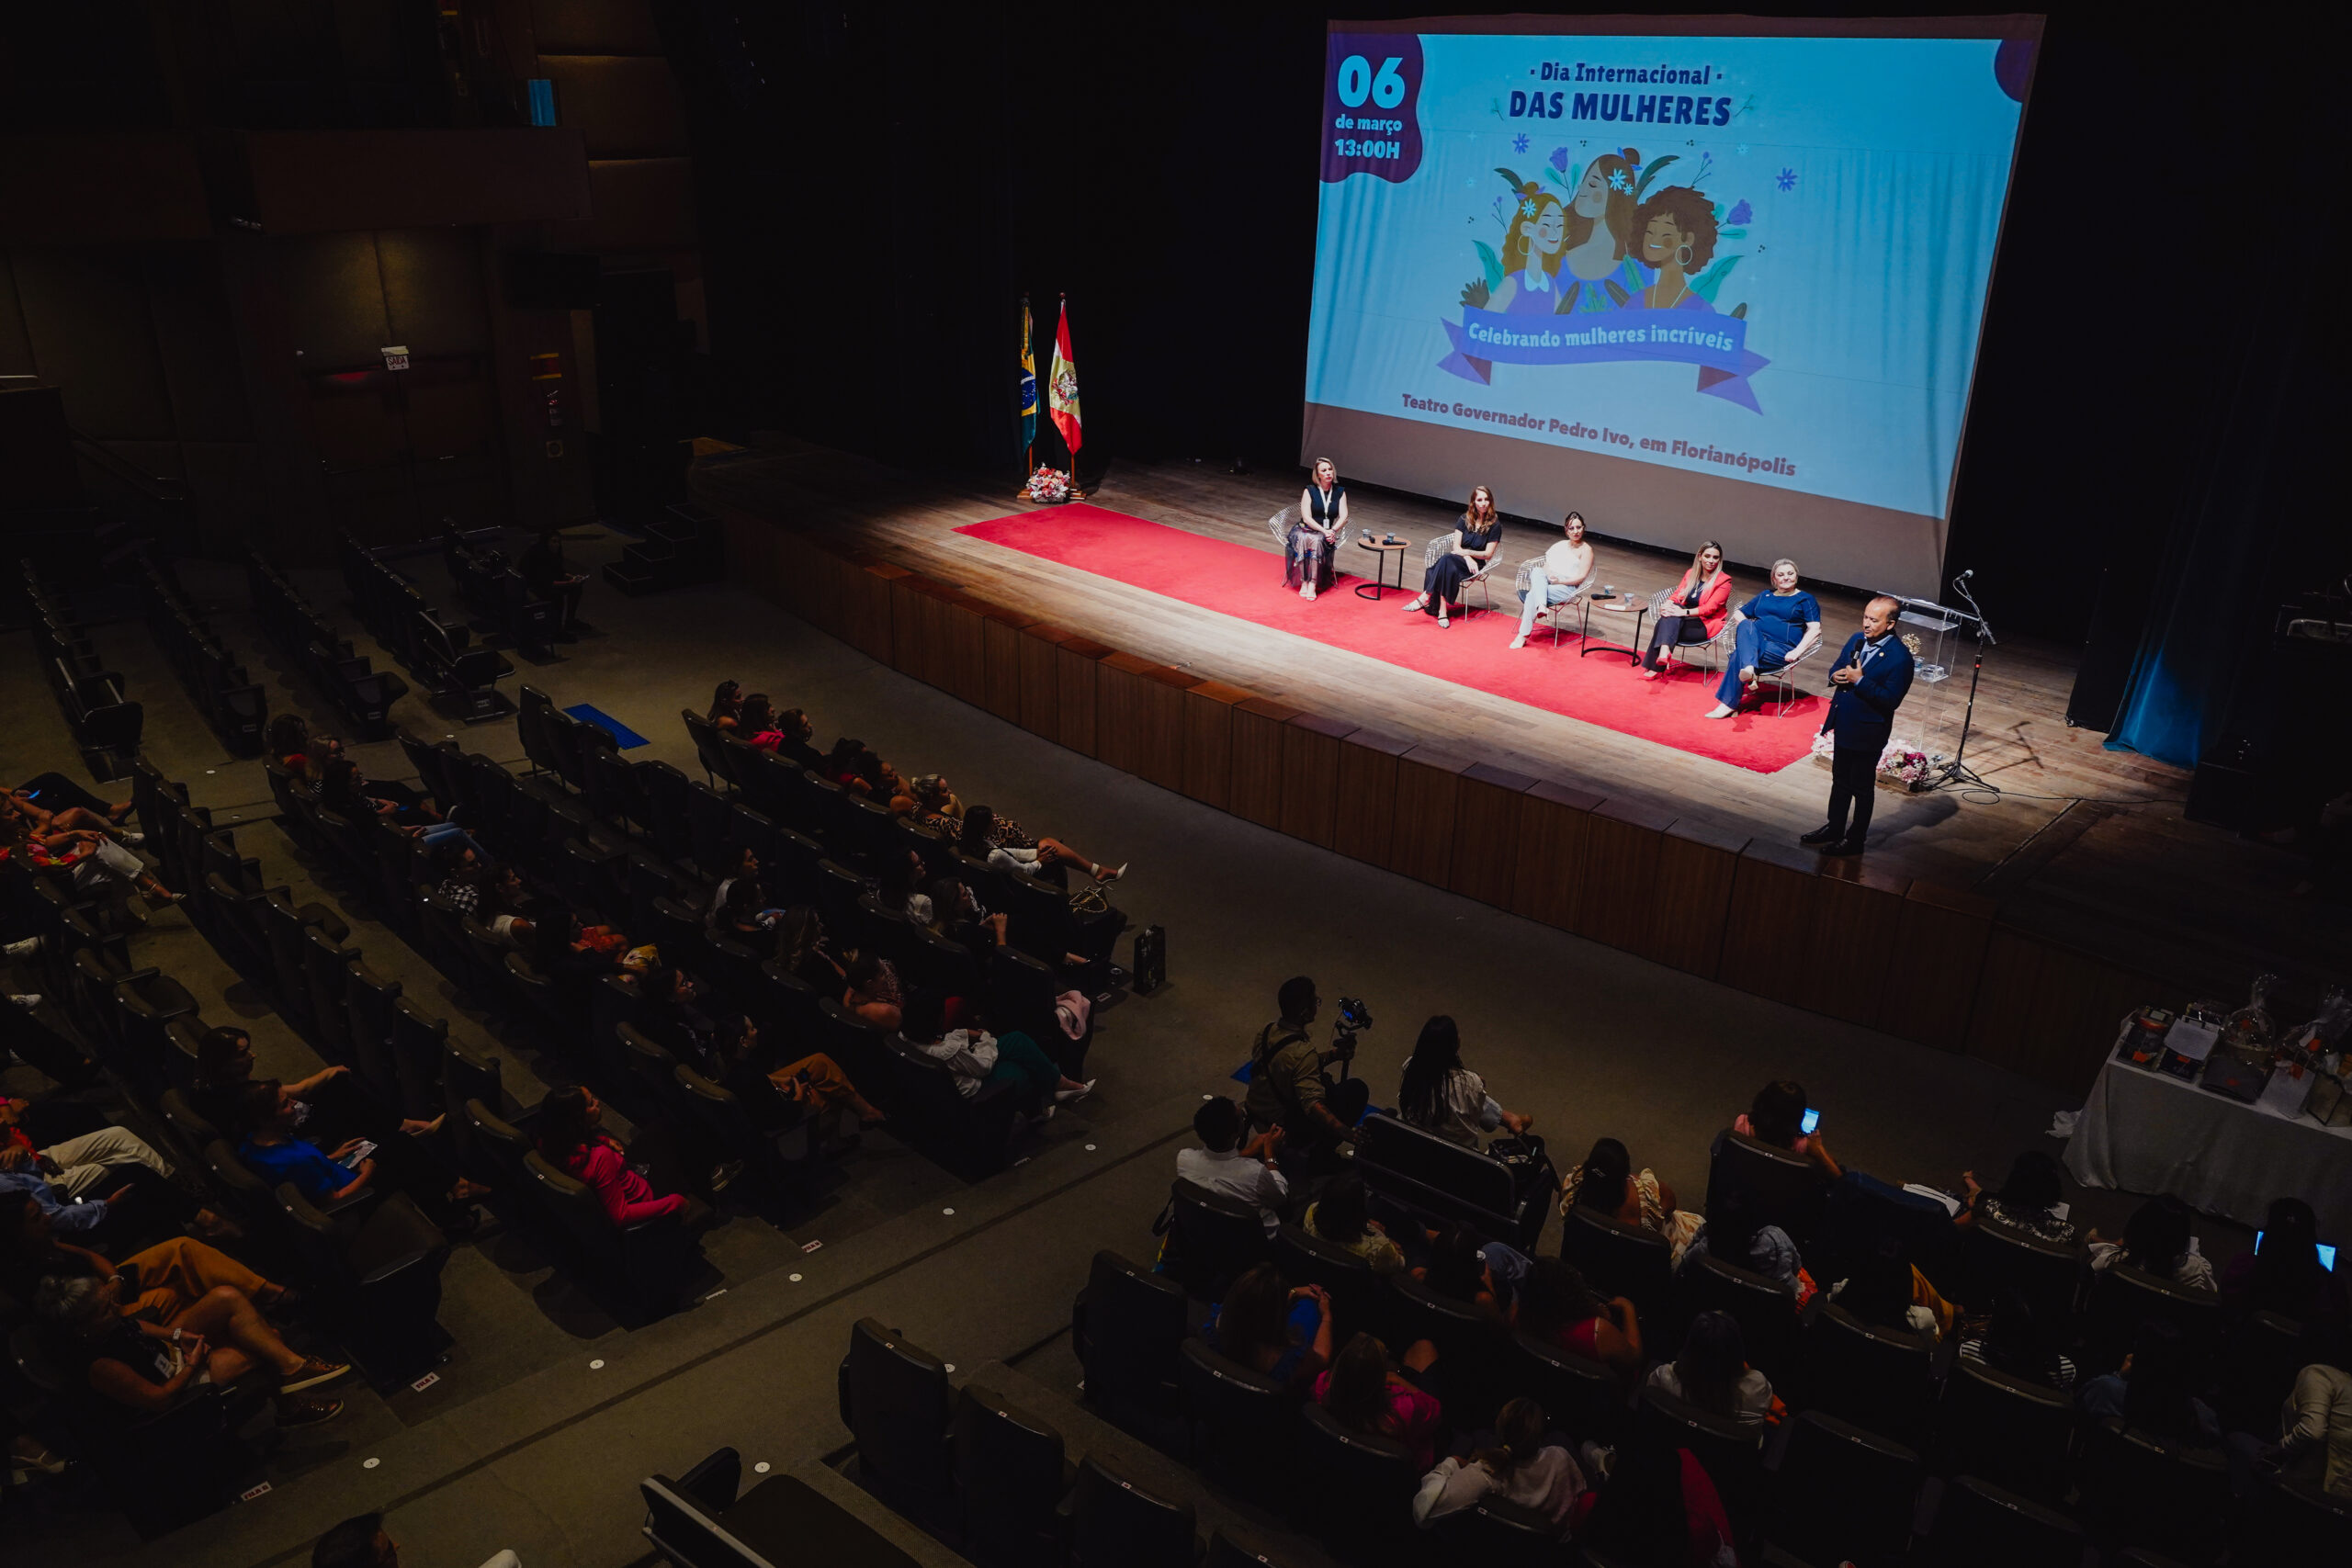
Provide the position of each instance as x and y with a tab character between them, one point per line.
1556	178
1576	176
1735	234
1649	172
1516	183
1740	309
1491	262
1705	287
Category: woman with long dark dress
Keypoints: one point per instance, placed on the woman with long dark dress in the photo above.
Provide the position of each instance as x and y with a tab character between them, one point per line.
1322	523
1469	552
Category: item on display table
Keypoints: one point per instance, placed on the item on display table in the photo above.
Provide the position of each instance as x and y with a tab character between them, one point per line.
2249	1035
2330	1103
2142	1042
2190	1040
2291	1084
2235	1076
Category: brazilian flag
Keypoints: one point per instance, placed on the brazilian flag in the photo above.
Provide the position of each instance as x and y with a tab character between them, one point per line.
1028	386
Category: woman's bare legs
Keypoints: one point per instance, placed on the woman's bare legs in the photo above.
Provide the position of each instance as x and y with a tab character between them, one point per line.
1055	850
228	1317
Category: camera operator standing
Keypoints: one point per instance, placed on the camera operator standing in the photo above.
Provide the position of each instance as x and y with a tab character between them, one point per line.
1287	1089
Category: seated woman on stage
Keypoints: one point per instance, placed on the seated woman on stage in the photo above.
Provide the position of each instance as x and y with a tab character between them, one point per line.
1322	523
1559	577
1776	628
1694	611
1474	545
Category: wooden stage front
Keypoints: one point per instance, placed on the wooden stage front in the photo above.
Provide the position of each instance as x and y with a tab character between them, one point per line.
2015	927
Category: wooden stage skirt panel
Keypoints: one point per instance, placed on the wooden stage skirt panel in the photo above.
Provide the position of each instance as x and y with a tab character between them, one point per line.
1918	961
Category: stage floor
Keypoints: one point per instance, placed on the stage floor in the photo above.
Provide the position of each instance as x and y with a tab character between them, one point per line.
2082	843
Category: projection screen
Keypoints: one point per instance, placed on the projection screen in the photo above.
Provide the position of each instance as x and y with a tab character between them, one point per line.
1715	277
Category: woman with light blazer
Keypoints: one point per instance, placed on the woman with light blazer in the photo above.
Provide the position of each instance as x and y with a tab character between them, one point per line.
1695	612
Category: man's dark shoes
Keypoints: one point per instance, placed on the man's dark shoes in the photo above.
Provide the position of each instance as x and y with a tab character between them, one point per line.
1850	847
1825	834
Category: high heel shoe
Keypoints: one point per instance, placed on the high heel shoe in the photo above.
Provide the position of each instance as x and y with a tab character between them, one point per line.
1420	602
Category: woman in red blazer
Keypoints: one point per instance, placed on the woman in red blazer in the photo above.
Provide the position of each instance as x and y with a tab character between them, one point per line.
1694	611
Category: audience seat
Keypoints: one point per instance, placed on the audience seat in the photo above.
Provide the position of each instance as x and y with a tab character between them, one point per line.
1583	1397
1996	1258
1360	1294
1232	1549
1841	1493
1218	1238
1978	1524
1126	1325
1766	1314
2141	1490
1239	1425
2121	1298
784	1161
1732	1451
1116	1523
1473	1348
646	1263
896	1402
1448	1184
1790	1190
1880	1378
379	1278
1358	1490
1498	1533
2292	1520
1010	1476
970	1136
2006	1430
1619	1259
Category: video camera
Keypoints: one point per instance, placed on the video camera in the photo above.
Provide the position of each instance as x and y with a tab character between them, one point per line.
1353	1019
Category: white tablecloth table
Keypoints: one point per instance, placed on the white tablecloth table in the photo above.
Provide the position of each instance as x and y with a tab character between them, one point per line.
2148	1132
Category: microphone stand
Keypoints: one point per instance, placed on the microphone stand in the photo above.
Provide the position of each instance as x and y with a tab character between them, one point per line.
1957	772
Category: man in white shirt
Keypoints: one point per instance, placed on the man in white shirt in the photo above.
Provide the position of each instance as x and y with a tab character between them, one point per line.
1224	1164
1566	567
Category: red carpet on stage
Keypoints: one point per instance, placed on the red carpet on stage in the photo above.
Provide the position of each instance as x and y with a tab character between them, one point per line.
1605	689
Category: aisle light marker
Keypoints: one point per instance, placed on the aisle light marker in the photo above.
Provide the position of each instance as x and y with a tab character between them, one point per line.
370	1463
597	1365
760	1468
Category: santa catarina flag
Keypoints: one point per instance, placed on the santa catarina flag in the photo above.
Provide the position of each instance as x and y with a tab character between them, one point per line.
1028	381
1061	390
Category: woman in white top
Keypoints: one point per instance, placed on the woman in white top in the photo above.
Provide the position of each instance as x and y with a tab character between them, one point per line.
1713	1372
1044	858
1519	1468
1442	1096
2156	1240
1566	567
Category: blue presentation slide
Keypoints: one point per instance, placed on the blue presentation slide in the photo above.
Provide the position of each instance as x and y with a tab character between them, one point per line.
1760	258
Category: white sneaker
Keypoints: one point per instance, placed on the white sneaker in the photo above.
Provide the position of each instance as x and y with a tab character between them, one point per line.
1519	642
28	1000
134	841
1072	1096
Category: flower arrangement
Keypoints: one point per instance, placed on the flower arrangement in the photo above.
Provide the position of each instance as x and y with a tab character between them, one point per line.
1908	767
1049	485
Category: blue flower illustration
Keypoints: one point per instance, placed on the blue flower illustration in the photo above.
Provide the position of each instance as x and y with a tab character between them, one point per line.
1740	213
1786	179
1560	159
1519	143
1527	209
1617	180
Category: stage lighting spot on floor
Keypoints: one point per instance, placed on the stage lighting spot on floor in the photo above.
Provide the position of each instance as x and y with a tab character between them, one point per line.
596	1366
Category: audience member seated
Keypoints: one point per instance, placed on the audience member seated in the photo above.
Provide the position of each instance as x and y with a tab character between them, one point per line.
361	1543
2016	1343
936	805
351	795
743	866
143	1366
572	955
2315	1424
1555	1306
1483	1275
2156	1241
287	744
958	915
1735	1233
1776	1116
813	1085
1002	843
2028	1200
754	723
726	705
224	1070
976	1057
1888	1292
793	732
743	914
570	1137
1713	1372
2155	1388
898	889
804	949
94	1166
678	1026
1246	1172
1364	1391
268	1115
1519	1468
853	765
54	792
43	807
1660	1506
1606	1182
1276	1331
172	1284
1287	1089
2286	1275
871	990
94	860
1340	1216
1440	1095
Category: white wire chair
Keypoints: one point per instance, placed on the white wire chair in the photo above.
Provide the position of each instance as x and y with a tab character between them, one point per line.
1550	612
1281	523
1783	677
1698	655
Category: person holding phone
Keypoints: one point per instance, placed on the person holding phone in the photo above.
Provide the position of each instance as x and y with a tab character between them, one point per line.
1780	1116
145	1366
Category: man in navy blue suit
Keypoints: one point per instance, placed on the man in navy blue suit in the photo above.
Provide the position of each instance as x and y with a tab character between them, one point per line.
1871	675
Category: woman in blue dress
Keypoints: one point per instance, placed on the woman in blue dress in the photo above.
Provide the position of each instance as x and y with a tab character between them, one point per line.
1774	628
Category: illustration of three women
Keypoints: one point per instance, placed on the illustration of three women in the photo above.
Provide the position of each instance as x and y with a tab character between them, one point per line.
1603	250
